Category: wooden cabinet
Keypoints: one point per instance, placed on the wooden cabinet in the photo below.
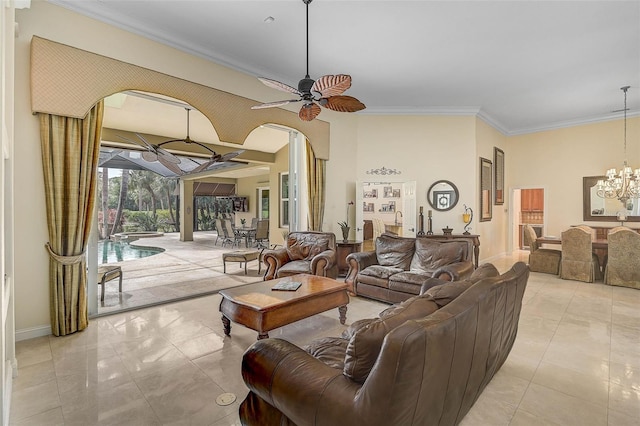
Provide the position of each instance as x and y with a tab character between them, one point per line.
344	249
532	200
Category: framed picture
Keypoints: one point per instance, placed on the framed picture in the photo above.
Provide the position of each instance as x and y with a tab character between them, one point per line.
485	189
371	194
498	179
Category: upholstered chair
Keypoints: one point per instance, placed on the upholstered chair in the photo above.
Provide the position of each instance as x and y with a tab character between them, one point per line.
578	260
541	260
308	252
623	266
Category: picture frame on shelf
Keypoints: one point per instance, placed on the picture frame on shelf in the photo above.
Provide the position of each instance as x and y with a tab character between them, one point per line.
371	194
498	185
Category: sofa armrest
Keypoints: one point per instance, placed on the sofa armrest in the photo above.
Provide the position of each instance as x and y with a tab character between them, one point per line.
357	262
273	260
322	263
296	383
431	282
454	271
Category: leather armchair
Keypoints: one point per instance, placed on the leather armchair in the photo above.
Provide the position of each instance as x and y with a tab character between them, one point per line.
308	252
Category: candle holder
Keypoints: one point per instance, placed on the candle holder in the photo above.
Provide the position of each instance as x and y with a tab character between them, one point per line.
467	218
420	223
430	223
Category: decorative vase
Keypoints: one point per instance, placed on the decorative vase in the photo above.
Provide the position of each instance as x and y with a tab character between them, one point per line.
345	233
447	231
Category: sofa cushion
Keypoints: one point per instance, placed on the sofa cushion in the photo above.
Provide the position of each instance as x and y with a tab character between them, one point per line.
430	255
378	271
415	278
364	346
442	295
294	267
301	246
395	251
329	350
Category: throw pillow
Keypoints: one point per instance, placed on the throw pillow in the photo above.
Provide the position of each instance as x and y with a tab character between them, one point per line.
304	246
431	255
394	251
364	346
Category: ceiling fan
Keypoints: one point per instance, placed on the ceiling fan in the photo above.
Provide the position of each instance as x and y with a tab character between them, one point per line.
325	91
172	162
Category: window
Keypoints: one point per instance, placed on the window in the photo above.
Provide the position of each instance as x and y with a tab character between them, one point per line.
284	199
263	203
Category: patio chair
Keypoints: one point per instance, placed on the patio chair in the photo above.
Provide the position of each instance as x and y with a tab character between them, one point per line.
230	236
261	237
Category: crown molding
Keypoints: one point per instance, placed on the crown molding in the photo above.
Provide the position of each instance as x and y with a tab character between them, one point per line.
573	123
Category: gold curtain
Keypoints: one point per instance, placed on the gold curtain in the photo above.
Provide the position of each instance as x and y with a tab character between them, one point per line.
316	170
70	152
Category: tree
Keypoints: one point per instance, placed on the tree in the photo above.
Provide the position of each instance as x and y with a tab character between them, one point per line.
124	186
104	206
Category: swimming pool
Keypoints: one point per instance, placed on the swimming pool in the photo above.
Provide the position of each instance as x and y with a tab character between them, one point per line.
111	251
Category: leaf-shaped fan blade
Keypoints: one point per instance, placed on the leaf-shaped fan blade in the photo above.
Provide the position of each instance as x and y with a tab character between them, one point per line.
279	86
149	156
204	166
343	104
170	165
167	156
309	111
275	104
331	85
229	155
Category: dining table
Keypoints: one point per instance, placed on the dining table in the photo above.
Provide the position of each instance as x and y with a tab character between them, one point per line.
600	246
246	232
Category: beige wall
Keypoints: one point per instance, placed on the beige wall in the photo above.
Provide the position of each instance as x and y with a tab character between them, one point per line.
556	160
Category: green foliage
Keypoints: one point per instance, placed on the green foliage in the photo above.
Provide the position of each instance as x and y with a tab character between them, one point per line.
343	224
143	221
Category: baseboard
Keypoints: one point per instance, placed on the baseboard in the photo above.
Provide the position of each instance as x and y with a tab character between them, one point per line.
30	333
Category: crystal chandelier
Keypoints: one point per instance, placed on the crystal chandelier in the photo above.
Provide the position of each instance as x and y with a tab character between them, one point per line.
625	184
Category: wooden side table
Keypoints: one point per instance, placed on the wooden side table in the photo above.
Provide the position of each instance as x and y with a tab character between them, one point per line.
344	249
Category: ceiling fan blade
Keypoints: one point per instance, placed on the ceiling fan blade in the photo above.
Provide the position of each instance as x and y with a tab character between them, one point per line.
167	156
149	156
279	86
342	103
274	104
171	166
309	111
229	155
204	166
332	85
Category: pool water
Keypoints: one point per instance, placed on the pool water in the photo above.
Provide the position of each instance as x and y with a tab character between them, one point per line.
111	251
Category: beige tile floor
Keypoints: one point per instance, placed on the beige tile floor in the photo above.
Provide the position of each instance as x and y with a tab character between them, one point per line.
183	270
576	361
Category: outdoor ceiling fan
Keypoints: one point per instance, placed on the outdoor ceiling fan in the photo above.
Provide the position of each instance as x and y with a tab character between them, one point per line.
172	162
325	91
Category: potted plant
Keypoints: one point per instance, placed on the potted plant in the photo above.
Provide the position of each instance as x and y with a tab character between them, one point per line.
344	226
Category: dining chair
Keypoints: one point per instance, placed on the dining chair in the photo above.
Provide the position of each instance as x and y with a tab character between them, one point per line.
623	266
579	262
541	259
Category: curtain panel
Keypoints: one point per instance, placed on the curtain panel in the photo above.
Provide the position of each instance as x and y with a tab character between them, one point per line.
70	152
316	179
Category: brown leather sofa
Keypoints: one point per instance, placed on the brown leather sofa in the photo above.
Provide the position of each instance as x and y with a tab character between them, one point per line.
422	362
399	266
307	252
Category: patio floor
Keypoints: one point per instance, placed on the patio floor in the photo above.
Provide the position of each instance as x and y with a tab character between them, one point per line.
185	269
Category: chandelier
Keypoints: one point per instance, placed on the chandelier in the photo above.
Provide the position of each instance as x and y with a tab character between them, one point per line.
625	184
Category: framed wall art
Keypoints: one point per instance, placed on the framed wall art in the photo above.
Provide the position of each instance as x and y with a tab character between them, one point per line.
498	178
485	189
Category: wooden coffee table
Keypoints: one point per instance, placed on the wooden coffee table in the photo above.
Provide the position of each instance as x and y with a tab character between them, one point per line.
262	309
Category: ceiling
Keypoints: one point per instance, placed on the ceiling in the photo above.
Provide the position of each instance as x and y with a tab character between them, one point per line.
521	65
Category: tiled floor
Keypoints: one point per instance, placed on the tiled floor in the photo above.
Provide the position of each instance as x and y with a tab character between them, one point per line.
576	361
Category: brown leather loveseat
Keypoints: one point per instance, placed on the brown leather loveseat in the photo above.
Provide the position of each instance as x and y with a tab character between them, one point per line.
307	252
422	362
399	266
